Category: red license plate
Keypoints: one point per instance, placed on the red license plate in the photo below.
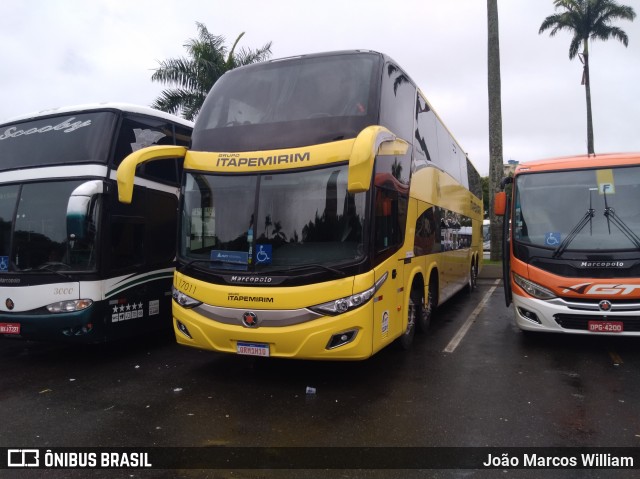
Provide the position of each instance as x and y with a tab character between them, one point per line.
606	326
9	328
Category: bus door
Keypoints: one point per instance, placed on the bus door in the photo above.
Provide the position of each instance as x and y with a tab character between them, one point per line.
387	305
390	219
501	208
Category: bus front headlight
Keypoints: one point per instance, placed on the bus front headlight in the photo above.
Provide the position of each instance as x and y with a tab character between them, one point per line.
183	300
348	303
532	288
69	306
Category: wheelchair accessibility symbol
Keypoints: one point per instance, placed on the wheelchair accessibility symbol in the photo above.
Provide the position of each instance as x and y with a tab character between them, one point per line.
4	264
263	256
552	238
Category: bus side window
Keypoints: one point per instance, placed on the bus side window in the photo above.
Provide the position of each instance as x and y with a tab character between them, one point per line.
425	236
397	113
127	242
164	171
390	219
137	132
425	139
142	233
475	180
162	217
124	242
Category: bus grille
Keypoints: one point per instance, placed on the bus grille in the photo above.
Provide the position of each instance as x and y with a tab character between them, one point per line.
569	270
579	321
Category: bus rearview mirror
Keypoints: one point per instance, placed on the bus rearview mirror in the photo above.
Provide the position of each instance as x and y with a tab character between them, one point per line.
500	203
79	207
372	141
127	170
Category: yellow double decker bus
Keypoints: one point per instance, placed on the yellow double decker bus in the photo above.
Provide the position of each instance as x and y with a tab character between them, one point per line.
325	211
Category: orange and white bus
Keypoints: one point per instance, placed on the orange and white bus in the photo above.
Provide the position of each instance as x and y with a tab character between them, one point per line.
572	244
326	211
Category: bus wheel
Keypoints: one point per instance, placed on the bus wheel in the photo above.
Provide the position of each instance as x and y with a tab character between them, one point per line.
406	339
472	285
424	311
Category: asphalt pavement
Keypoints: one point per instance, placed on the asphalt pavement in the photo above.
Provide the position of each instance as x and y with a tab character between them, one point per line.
473	381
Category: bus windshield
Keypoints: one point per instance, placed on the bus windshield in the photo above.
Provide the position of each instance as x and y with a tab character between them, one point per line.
64	139
290	104
272	222
585	210
47	234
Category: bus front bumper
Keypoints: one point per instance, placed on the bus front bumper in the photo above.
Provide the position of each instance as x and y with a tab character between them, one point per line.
561	316
75	327
343	337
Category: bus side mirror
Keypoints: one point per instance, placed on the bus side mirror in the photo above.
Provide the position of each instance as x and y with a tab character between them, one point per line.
372	141
79	208
500	204
127	170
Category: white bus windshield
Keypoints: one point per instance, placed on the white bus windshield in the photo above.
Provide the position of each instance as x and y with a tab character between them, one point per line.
47	234
586	210
302	218
63	139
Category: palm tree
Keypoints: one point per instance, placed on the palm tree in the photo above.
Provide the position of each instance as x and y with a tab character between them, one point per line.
588	19
496	170
193	76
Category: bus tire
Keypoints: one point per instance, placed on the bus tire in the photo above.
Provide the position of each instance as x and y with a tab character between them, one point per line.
406	339
424	310
472	283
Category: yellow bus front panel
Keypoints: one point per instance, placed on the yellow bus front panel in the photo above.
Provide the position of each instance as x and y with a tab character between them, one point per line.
308	340
226	317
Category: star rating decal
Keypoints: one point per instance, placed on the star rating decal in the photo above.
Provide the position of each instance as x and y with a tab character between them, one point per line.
124	311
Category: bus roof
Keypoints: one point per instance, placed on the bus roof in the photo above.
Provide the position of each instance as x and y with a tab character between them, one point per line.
579	162
126	107
309	55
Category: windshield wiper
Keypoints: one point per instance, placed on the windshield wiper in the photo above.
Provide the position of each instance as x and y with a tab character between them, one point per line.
611	216
296	268
588	216
312	265
49	268
182	268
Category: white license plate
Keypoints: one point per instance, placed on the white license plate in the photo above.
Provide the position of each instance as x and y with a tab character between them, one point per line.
9	328
606	326
253	349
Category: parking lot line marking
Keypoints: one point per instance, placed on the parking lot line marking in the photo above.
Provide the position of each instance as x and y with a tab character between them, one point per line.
453	344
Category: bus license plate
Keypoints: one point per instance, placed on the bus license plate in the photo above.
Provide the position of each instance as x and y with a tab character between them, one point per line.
9	328
253	349
606	326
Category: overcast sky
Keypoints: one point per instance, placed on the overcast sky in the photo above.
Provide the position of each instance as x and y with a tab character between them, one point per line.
67	52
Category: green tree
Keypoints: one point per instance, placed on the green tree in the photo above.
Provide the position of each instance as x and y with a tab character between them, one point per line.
587	19
496	169
193	76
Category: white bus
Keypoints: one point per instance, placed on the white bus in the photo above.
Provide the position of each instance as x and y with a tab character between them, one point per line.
75	263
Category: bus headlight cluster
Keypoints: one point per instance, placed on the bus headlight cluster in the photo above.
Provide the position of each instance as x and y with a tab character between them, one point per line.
348	303
184	300
69	306
532	288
